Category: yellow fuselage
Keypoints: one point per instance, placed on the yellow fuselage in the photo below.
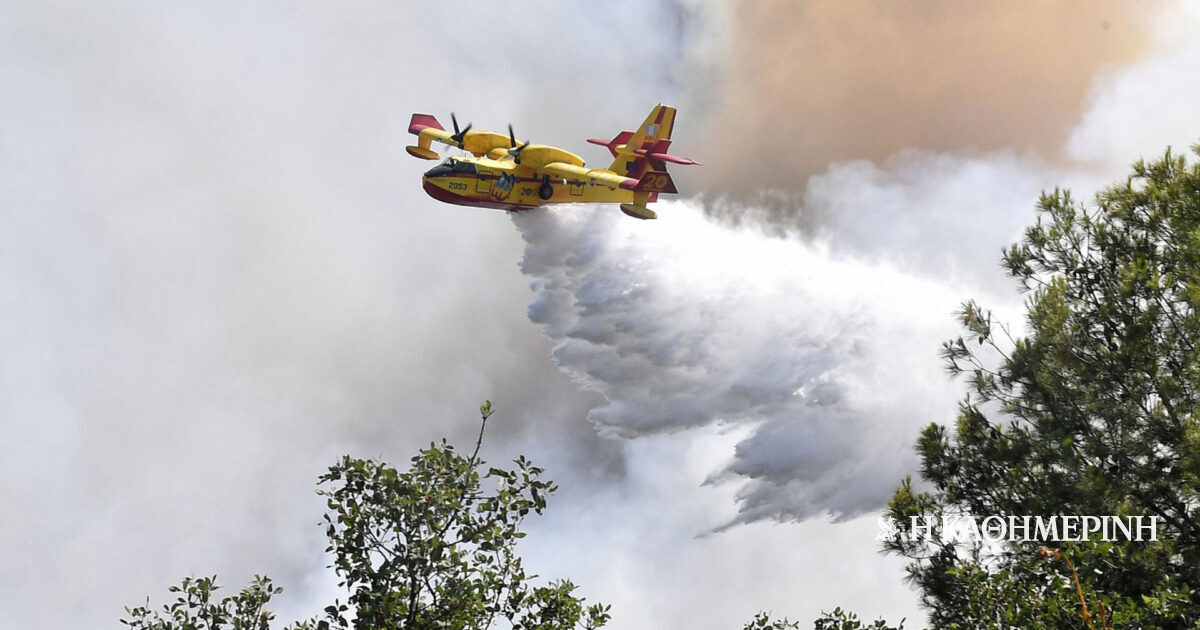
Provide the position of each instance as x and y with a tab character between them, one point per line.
466	183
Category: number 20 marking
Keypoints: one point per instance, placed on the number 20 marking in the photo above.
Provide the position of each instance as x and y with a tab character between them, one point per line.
657	184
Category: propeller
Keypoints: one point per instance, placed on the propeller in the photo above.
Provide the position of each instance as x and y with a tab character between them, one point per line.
515	150
458	134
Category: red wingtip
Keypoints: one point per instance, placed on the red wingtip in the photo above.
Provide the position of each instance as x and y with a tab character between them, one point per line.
423	121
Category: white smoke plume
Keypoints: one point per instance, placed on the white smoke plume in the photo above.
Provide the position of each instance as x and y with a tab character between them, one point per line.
684	322
822	346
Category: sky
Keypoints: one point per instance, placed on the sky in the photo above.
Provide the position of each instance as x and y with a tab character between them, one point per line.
218	273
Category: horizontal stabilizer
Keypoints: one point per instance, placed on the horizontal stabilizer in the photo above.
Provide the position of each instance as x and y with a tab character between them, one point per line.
658	151
671	158
612	145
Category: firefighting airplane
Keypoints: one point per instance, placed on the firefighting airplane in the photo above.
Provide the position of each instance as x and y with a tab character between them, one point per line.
510	176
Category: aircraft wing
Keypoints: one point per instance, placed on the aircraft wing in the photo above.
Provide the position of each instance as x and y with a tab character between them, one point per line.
571	172
477	143
504	166
428	130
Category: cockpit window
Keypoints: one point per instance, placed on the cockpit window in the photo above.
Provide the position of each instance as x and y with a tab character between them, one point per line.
455	165
451	166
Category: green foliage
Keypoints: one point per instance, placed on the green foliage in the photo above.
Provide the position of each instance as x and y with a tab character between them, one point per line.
432	547
763	621
1093	412
836	620
194	608
841	620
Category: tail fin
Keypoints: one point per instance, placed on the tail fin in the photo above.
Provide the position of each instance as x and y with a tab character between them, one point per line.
634	151
657	126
